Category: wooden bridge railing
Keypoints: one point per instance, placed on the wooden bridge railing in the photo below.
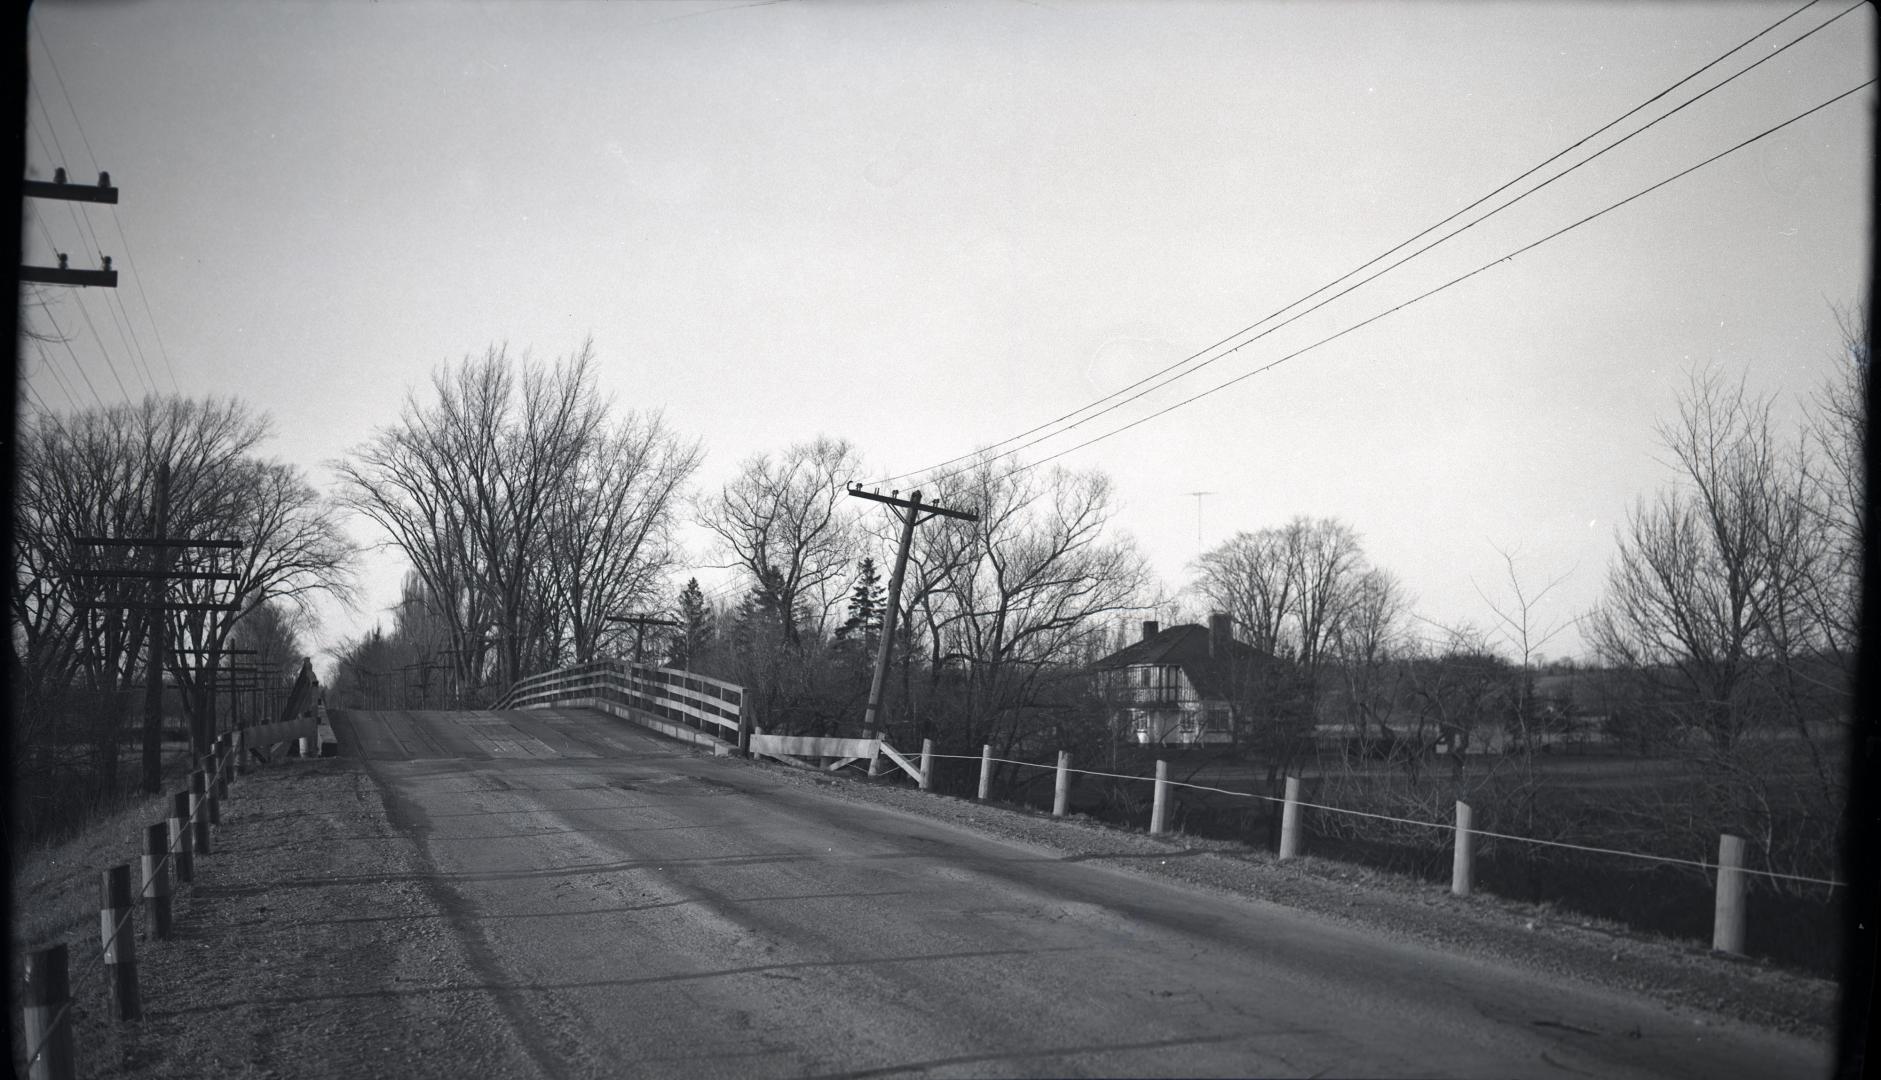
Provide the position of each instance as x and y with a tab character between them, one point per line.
688	706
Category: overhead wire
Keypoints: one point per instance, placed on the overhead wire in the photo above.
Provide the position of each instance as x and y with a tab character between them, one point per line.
59	334
87	227
1407	258
1446	285
1372	261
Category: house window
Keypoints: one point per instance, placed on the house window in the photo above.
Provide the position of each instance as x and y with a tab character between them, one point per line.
1217	719
1188	722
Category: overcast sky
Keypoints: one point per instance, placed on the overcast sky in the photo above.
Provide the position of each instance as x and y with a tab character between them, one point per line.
926	227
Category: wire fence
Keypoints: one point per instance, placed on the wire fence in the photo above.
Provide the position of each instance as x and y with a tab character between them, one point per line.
181	840
88	971
1440	825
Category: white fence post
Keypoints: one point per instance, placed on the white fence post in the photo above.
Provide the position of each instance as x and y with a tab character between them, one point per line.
1727	927
1290	820
927	764
986	771
1061	792
1463	866
1157	807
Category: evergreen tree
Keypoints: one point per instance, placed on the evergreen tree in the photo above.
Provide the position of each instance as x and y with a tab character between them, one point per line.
863	629
697	627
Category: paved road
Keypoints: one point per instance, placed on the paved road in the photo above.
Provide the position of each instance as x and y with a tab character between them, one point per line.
639	909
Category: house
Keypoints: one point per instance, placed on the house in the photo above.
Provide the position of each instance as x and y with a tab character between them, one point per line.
1175	687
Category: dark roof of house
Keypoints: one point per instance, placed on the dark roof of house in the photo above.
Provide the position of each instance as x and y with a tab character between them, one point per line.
1186	646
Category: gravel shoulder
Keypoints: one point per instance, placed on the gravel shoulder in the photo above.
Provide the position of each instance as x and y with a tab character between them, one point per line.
308	946
312	943
1680	974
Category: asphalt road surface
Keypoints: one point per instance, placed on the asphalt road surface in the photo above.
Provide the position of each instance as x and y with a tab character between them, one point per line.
638	908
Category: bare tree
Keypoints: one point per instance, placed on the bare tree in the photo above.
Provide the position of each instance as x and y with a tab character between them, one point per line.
1366	642
469	486
609	540
91	474
786	522
1249	576
1523	629
1698	566
1729	611
1290	589
1019	596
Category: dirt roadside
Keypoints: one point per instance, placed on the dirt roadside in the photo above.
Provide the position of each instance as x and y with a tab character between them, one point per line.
308	946
311	946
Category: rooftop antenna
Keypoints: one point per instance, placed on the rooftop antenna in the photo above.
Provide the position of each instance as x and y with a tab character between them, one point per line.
1198	519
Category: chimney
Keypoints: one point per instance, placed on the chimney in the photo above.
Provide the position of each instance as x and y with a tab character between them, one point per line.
1220	633
1150	626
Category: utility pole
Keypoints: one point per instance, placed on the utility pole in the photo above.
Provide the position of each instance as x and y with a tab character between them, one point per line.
59	189
910	512
153	675
158	577
640	621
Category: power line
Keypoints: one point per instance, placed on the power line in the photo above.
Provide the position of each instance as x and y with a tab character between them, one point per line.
1453	281
47	113
63	340
98	340
60	79
46	363
1381	256
131	265
1400	262
122	317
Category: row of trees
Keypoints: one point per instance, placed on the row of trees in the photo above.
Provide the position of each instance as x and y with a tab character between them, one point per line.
532	512
82	617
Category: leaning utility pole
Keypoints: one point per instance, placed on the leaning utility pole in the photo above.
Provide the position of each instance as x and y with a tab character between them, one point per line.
909	510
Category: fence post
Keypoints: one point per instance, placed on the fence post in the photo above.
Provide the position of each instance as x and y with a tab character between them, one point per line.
157	882
927	764
986	771
1159	806
119	940
45	994
199	811
1727	927
179	837
1463	864
744	728
1290	820
205	793
219	768
240	746
1061	791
